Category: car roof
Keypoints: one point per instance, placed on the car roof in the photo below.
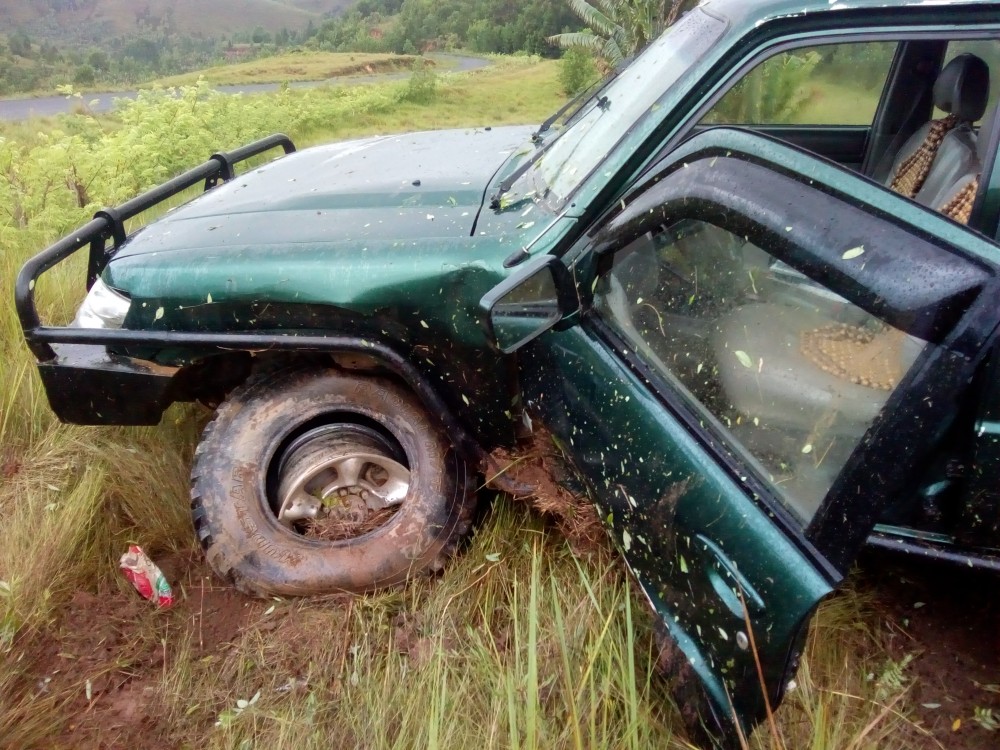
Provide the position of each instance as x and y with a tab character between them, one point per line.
757	12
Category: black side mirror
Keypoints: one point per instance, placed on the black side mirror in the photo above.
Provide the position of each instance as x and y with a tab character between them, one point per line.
528	303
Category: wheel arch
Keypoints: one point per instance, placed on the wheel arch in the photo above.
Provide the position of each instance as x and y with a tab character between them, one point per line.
210	378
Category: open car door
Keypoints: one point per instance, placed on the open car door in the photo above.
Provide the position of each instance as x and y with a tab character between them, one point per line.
767	346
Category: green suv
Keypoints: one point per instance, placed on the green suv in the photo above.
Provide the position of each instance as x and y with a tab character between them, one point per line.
749	284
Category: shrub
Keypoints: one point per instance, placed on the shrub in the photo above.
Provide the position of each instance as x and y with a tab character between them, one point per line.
84	75
422	86
576	70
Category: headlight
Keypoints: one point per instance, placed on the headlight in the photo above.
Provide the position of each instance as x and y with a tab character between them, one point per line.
103	308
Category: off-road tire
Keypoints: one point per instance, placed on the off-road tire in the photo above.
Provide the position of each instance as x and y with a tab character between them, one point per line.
234	474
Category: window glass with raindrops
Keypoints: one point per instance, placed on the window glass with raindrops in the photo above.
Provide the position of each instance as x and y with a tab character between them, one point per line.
790	373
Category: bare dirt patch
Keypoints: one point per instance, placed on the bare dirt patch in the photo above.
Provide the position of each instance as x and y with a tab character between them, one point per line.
10	464
107	658
946	624
375	67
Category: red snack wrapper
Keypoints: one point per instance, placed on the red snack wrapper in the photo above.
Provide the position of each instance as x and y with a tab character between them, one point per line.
146	577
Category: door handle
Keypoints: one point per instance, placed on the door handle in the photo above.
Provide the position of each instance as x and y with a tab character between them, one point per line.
728	582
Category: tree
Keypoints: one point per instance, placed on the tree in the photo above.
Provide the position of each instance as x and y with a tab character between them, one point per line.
20	44
618	28
142	50
260	36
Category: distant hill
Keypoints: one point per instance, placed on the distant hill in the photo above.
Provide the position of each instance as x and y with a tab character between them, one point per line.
92	20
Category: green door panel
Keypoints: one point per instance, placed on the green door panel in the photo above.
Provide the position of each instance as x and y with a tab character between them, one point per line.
742	244
703	551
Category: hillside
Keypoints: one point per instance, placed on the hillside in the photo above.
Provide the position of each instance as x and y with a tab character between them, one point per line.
92	20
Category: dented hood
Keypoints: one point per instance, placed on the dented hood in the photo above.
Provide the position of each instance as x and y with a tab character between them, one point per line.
407	187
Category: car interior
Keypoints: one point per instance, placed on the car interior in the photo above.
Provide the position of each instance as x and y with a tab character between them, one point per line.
927	105
793	372
942	158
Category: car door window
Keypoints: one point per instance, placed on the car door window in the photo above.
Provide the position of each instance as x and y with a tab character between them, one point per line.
832	84
791	374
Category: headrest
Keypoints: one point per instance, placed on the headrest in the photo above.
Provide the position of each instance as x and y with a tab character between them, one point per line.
962	87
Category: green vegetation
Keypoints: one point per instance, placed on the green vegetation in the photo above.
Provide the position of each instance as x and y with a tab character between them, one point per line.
27	65
838	84
521	643
409	26
535	26
53	180
129	46
576	70
119	43
616	29
771	93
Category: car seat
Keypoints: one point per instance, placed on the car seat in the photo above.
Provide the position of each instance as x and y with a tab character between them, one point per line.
943	150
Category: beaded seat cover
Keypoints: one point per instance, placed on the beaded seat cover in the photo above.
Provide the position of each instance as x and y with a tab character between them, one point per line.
959	208
913	170
868	358
872	358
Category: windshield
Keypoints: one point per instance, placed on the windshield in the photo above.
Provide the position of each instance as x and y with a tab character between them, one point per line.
597	127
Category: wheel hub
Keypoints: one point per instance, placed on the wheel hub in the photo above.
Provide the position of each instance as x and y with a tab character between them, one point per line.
340	481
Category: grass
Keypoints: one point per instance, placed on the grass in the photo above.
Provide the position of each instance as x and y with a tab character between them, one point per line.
484	658
837	104
507	93
520	644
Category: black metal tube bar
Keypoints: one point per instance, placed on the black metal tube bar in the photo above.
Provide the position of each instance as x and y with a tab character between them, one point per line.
109	224
930	551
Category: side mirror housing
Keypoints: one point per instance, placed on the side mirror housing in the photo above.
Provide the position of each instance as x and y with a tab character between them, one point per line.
528	303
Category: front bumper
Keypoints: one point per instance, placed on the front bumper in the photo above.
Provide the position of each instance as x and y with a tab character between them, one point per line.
87	385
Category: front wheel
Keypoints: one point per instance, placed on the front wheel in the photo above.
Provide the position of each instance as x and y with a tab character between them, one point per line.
312	482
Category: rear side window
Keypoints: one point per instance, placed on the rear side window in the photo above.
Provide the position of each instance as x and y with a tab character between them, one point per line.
831	84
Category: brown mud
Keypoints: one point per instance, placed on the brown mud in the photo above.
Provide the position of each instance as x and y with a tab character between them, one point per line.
945	621
534	474
112	649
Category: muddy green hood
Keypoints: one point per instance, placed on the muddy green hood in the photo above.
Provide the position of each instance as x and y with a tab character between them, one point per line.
412	186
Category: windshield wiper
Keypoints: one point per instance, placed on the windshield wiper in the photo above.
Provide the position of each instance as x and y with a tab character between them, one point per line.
536	137
579	100
602	103
514	176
